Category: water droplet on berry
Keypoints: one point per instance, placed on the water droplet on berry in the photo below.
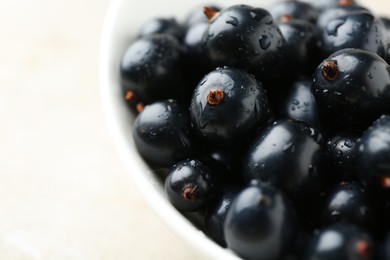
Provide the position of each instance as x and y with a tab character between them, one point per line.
265	42
232	21
348	143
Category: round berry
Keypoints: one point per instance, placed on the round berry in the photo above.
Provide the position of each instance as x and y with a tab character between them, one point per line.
161	133
260	223
228	106
190	185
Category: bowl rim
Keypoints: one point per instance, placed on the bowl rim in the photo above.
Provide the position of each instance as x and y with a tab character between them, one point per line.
174	220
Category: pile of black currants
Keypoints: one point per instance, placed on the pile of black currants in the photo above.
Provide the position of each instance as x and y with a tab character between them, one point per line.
273	125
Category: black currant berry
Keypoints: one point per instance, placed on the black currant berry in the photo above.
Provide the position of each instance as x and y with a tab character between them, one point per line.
190	185
352	88
228	106
373	159
340	242
343	149
150	69
248	38
359	29
347	202
161	133
291	156
260	224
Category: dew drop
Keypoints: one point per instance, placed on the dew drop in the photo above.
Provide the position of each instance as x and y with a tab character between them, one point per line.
348	143
265	42
295	102
335	213
232	21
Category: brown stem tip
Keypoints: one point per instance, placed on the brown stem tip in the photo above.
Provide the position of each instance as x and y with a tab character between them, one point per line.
129	96
210	13
364	249
286	18
215	97
386	182
140	107
190	193
330	70
345	3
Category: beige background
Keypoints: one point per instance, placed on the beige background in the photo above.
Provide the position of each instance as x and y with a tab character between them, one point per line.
63	191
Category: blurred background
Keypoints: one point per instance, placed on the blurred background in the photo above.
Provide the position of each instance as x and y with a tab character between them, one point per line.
63	191
64	194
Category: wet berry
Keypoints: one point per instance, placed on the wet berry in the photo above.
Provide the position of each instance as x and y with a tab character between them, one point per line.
291	156
228	106
260	224
347	202
373	160
150	69
245	37
359	29
343	149
161	133
352	88
190	185
340	242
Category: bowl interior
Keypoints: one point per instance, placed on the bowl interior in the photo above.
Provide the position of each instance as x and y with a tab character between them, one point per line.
123	20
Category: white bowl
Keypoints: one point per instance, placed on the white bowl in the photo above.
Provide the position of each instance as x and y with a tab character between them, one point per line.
122	22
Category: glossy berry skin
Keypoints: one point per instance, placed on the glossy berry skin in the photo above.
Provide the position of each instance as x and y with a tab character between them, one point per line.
193	41
295	9
190	185
347	202
343	149
352	88
373	160
299	104
161	133
216	213
289	155
224	162
354	30
228	106
245	37
301	42
162	25
337	11
151	69
340	242
260	223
